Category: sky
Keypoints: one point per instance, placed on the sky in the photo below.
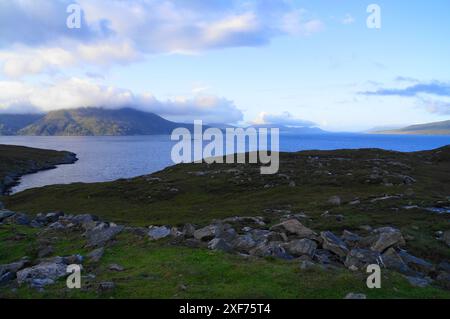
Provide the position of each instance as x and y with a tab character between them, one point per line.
285	62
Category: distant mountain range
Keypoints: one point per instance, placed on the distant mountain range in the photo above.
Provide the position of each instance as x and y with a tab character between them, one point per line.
436	128
88	122
94	121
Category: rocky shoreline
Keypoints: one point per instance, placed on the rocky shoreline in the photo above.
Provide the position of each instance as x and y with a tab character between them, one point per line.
11	177
248	237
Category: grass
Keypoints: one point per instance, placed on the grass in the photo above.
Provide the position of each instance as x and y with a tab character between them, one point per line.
159	270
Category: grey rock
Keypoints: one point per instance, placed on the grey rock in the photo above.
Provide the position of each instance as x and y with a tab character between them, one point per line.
353	295
20	219
444	266
419	281
7	277
98	238
14	267
244	243
334	200
45	251
387	237
5	214
107	285
270	249
301	247
84	218
188	230
361	258
43	271
323	256
116	267
294	227
443	279
219	244
96	255
391	260
56	226
350	238
207	233
306	264
334	244
416	263
156	233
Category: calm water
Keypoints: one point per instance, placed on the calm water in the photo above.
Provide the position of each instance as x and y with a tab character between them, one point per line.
110	158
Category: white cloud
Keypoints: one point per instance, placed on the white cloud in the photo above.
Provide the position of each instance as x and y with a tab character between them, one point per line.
283	119
73	93
35	39
348	19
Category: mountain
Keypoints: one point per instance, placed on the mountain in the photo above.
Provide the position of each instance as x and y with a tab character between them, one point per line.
292	130
98	121
10	124
436	128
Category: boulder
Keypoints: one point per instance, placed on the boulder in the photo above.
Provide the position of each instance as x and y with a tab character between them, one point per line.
42	274
5	214
351	239
416	263
219	244
294	227
420	282
156	233
244	243
334	244
323	257
14	267
19	219
207	233
391	260
188	230
301	247
107	285
387	237
270	249
7	277
98	238
361	258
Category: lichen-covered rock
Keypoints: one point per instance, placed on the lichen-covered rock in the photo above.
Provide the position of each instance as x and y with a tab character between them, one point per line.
387	237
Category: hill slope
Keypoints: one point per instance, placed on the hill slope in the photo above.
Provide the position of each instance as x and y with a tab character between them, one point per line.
436	128
99	121
10	124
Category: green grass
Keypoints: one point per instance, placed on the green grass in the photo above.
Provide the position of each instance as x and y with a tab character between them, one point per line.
158	270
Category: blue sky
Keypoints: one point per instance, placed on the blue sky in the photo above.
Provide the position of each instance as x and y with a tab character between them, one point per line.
232	61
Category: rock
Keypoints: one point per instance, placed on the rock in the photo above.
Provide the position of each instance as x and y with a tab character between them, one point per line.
116	267
45	272
391	260
20	219
14	267
5	214
301	247
73	259
98	238
107	285
7	277
387	237
228	234
350	238
306	264
334	200
322	256
188	230
353	295
355	202
443	279
84	218
95	255
366	228
418	281
206	233
53	217
334	244
294	227
446	237
444	266
270	249
416	263
219	244
361	258
156	233
244	243
56	225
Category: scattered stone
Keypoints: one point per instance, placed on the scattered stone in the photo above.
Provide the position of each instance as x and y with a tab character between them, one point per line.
353	295
334	244
419	281
334	200
98	238
388	237
361	258
366	228
355	202
156	233
391	260
95	255
416	263
188	230
206	233
301	247
244	243
7	277
107	285
56	225
5	214
271	249
42	274
116	267
350	238
293	226
219	244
